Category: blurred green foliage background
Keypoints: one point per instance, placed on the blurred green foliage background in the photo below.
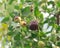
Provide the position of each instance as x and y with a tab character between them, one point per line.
22	23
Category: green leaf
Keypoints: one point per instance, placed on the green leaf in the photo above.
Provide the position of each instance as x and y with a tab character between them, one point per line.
28	0
20	6
1	4
46	21
51	2
33	35
11	1
22	1
42	34
11	14
44	1
11	33
58	29
58	43
26	11
17	44
38	14
17	36
6	19
44	7
16	7
36	3
52	21
10	28
48	45
27	46
58	4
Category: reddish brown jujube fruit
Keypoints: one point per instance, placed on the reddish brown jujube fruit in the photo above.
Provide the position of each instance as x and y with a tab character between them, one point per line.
33	25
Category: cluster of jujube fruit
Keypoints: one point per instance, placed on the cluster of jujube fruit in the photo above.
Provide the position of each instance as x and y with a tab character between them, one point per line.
33	25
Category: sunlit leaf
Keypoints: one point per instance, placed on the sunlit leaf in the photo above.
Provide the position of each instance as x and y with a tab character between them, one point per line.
1	37
26	11
11	1
6	19
4	25
58	4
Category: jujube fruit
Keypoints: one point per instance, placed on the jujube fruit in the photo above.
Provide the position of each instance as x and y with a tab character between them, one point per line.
17	18
23	23
33	25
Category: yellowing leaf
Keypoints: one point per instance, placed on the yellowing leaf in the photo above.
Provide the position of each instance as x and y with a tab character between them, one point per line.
1	29
4	26
0	36
8	38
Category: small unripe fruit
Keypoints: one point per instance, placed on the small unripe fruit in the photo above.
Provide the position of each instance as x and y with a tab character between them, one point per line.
33	25
23	33
30	44
41	44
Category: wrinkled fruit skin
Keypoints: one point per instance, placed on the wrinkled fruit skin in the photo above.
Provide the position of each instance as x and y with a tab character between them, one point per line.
33	25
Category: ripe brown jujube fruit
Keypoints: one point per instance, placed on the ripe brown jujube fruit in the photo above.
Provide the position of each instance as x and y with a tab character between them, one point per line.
33	25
